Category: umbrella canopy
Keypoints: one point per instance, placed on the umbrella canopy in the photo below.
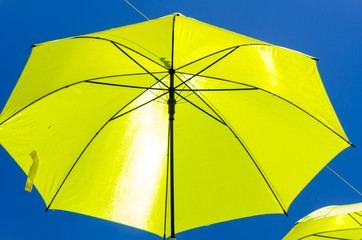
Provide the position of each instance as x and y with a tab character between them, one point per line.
169	125
332	222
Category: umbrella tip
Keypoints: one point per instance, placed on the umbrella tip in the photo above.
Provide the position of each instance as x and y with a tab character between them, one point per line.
286	214
177	14
353	145
32	46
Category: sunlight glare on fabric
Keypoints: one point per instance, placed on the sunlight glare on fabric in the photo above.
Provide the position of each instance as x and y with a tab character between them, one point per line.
192	80
146	156
266	56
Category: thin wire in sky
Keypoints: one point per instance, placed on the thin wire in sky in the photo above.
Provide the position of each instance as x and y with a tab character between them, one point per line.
137	10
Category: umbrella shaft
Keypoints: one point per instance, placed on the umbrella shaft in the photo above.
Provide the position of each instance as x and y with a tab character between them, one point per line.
171	112
171	100
172	180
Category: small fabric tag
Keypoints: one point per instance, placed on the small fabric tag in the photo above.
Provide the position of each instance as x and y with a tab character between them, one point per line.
32	172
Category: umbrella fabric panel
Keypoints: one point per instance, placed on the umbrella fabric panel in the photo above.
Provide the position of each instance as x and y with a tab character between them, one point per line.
287	74
293	146
58	128
194	40
59	64
122	174
215	179
152	39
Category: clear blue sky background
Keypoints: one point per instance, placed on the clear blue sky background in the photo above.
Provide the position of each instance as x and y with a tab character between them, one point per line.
330	30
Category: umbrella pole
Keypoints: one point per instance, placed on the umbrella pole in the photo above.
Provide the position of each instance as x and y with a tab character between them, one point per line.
171	112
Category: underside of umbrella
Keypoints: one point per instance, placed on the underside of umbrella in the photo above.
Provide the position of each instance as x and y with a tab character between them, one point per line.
170	124
332	222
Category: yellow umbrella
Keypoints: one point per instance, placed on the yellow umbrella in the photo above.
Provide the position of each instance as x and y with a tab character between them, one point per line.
103	115
332	222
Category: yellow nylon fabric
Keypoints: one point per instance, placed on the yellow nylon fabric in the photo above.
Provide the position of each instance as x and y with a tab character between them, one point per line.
32	172
342	222
253	124
277	70
126	181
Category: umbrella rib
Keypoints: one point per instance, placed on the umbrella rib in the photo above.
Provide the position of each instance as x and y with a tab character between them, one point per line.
158	80
237	46
143	104
184	96
220	79
322	236
69	85
280	97
355	219
217	89
112	41
204	69
339	230
183	88
214	53
127	86
247	151
220	121
39	100
85	148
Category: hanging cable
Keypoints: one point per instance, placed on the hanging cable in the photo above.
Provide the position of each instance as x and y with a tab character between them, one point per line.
136	9
344	180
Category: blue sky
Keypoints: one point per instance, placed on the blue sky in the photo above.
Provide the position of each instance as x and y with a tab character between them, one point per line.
329	30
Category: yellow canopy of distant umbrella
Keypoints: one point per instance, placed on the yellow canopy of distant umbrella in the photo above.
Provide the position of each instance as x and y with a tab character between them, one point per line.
333	222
